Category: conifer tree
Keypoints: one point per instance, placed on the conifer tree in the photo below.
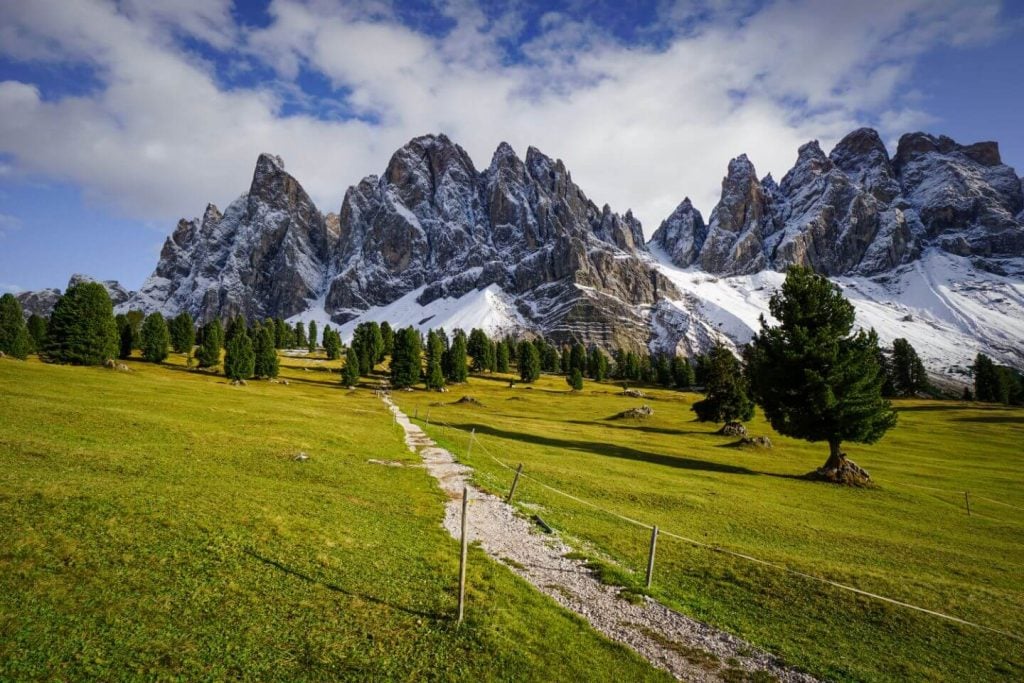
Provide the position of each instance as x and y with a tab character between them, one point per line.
435	352
350	371
682	373
477	348
155	338
575	379
529	362
387	336
726	397
312	336
406	359
37	325
578	358
908	373
208	354
82	329
300	335
456	366
332	343
236	325
813	377
183	332
14	337
265	362
492	356
240	359
501	356
986	380
135	319
565	359
663	371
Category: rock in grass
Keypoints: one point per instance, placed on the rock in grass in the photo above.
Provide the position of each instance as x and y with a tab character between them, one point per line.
633	393
846	472
468	400
754	442
238	382
109	364
733	429
300	457
641	413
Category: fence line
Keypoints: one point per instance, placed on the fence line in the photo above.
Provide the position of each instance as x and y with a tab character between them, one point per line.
744	556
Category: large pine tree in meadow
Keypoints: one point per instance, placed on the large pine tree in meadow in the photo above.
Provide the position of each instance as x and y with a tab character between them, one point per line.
14	337
726	398
435	351
529	361
155	338
350	372
240	360
406	358
814	378
208	354
82	329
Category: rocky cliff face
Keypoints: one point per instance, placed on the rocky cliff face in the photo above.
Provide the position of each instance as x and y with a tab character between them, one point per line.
265	255
42	301
858	211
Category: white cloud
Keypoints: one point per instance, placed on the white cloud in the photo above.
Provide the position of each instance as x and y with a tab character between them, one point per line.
638	127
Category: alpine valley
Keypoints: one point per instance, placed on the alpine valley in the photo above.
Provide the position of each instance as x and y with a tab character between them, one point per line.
928	244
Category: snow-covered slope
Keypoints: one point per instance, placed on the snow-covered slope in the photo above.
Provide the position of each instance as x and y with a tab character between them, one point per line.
947	308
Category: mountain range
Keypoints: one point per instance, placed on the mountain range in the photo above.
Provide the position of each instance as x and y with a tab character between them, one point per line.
927	243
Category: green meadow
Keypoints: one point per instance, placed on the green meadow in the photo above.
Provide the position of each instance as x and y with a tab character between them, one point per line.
155	526
908	538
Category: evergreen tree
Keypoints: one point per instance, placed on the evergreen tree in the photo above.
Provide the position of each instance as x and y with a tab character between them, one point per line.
565	359
886	371
986	380
127	341
301	341
236	326
501	356
183	333
37	330
240	359
312	336
575	379
406	360
265	361
435	352
682	373
82	329
492	356
135	319
967	395
456	366
550	360
578	358
14	337
476	347
908	374
813	377
332	344
529	362
350	373
726	397
369	344
155	338
387	336
208	354
663	371
634	369
620	370
597	364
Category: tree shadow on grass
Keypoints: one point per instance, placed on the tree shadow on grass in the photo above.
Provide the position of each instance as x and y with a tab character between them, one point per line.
605	423
612	451
338	589
993	419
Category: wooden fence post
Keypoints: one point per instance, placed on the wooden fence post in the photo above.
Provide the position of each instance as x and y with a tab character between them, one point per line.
462	560
515	482
650	557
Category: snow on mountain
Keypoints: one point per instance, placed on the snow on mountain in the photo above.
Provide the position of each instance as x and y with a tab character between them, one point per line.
946	307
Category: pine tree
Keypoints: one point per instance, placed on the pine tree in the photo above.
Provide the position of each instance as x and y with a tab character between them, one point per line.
300	335
135	319
501	356
236	326
575	379
908	373
332	343
529	362
82	329
456	365
682	373
209	351
183	333
240	359
492	356
37	325
565	358
435	352
578	358
406	359
350	372
369	344
387	336
265	362
312	336
155	338
726	397
127	341
813	377
986	380
663	370
14	337
476	347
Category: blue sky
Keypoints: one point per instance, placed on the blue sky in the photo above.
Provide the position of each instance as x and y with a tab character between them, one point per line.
118	118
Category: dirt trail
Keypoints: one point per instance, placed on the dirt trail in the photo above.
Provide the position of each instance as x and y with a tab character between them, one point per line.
686	648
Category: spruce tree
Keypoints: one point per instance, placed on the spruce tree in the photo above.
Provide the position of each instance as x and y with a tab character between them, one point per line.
135	319
501	359
529	362
127	341
813	377
726	397
14	337
663	370
82	329
37	325
350	372
183	333
457	368
578	358
476	347
265	362
435	352
565	358
312	336
387	337
208	354
682	373
240	360
406	358
986	380
300	336
155	338
332	343
908	373
575	379
236	326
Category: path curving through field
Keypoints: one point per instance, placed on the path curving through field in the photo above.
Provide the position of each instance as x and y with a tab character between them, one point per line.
684	647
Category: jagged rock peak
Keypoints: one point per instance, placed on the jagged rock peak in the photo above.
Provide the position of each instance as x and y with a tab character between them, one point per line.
913	145
682	234
862	156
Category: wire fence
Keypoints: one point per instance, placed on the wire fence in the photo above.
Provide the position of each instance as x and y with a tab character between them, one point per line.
473	440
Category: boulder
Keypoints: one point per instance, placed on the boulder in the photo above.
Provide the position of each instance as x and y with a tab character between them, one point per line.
641	413
733	429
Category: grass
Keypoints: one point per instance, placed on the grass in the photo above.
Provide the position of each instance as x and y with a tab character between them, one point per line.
154	525
909	537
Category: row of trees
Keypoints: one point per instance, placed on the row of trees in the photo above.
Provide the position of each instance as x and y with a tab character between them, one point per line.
997	383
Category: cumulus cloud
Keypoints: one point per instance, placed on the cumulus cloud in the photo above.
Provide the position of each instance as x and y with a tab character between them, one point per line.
639	124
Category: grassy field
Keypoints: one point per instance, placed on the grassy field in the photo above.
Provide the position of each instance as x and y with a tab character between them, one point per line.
908	538
154	525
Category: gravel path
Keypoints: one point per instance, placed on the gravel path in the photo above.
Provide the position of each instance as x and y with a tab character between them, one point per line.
686	648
